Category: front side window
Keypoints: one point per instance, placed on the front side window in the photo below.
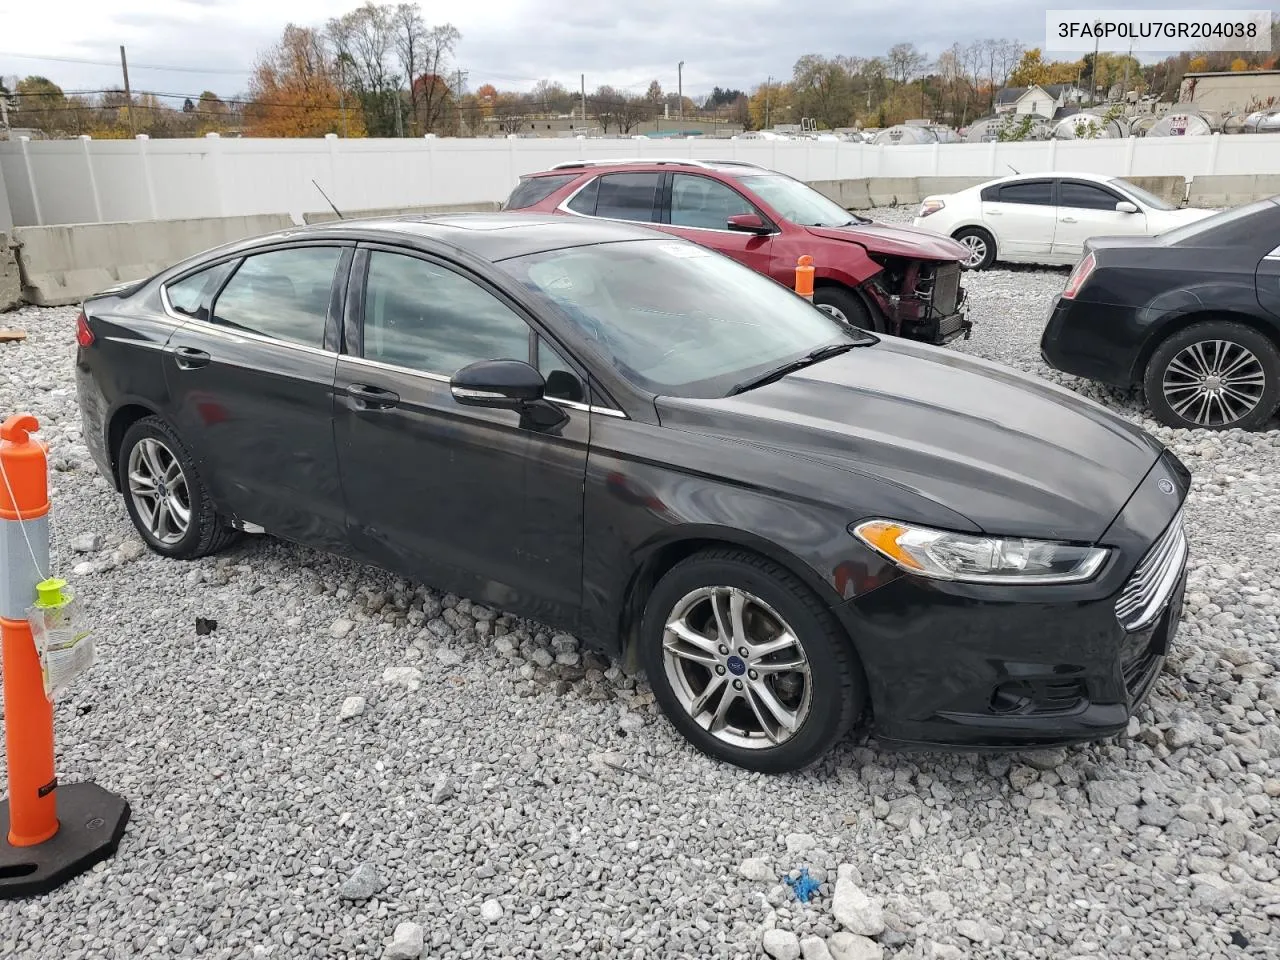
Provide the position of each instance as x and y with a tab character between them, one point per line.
1036	193
562	382
676	318
283	294
798	202
1085	196
425	317
704	203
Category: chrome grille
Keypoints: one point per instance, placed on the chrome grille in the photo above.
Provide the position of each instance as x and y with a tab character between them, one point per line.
1144	596
946	288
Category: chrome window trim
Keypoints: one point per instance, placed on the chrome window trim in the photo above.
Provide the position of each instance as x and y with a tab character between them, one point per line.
259	337
438	378
564	206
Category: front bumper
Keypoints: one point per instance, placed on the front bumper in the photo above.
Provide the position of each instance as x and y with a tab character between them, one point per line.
984	667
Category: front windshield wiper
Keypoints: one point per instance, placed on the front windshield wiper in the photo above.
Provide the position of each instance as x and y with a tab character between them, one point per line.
810	358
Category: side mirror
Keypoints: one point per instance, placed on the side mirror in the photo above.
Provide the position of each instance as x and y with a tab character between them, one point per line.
500	384
748	223
508	385
1124	206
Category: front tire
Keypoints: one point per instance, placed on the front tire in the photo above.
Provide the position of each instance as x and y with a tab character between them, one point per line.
165	496
1216	375
747	663
845	305
981	246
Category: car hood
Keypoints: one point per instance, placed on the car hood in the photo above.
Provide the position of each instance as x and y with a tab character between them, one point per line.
1011	453
896	240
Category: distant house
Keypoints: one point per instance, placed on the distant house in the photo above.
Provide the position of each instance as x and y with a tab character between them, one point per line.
1042	101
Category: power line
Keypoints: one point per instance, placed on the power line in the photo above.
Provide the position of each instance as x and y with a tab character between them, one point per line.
137	66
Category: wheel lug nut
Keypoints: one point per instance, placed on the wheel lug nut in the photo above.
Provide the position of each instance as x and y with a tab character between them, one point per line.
737	684
724	651
743	652
720	671
753	675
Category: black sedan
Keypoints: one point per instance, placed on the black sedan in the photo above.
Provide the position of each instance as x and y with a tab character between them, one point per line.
792	525
1191	316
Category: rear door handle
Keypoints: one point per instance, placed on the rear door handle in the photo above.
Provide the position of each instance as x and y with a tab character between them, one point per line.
1068	220
365	397
189	358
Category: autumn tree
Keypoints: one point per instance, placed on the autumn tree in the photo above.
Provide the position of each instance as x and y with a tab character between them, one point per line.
769	104
1239	64
823	89
294	91
1030	71
41	104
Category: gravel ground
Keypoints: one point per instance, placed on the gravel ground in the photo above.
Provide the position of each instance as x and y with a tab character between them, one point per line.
352	765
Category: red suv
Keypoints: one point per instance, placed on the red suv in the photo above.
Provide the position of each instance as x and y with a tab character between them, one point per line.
890	279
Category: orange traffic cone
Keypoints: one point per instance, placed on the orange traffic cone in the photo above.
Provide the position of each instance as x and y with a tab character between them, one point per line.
48	833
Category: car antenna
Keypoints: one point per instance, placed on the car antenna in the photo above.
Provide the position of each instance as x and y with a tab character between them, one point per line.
328	201
1009	165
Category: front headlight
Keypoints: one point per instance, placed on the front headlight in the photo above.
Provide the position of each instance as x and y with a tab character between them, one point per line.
944	555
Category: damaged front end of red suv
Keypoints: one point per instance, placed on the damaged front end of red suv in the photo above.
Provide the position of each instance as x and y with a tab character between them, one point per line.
919	299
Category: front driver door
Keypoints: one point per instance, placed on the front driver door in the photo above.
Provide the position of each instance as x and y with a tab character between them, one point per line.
469	499
1089	210
699	210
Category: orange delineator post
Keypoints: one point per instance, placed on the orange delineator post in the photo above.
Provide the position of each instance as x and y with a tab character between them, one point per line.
804	277
48	832
24	500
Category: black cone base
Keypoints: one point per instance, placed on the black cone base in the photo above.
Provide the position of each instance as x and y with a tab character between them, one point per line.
91	822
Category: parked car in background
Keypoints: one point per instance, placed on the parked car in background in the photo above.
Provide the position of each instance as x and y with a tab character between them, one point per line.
792	523
1192	316
1046	218
887	279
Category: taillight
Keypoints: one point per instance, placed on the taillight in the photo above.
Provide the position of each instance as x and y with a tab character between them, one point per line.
84	336
930	206
1078	277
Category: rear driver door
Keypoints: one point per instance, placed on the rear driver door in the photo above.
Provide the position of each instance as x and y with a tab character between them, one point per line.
1022	216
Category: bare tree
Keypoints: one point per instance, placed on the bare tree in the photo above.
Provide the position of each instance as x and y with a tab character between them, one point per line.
366	37
409	28
433	86
632	112
905	61
608	103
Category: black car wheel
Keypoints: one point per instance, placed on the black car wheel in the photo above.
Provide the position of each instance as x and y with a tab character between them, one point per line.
166	499
845	305
1215	376
981	246
748	663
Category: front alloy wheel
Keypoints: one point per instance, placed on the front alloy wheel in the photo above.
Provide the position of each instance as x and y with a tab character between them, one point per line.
737	668
748	663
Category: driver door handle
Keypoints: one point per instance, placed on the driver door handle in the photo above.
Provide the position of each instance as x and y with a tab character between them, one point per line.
365	397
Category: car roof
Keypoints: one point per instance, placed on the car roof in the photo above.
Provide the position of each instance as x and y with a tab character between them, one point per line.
1050	175
739	167
489	236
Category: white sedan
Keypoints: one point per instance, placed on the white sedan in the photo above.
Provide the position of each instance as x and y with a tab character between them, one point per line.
1046	218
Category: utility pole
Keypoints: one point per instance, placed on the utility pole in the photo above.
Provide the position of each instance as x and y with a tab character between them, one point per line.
582	79
1124	87
680	87
458	97
128	95
342	93
768	85
1093	71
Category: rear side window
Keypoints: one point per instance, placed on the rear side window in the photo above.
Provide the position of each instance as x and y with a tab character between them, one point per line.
628	196
1038	192
1086	196
283	294
190	295
533	190
584	201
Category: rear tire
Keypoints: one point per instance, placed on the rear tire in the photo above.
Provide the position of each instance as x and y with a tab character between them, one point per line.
165	496
981	245
704	640
1214	375
846	306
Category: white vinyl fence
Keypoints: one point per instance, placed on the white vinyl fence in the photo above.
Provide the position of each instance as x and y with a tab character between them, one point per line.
97	181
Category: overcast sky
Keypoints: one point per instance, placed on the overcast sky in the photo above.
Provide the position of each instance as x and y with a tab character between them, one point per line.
211	44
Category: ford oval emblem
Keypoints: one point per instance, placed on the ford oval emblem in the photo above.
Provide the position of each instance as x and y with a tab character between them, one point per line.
1165	487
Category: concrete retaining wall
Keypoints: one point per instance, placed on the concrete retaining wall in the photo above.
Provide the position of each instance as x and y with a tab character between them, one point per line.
10	286
65	264
325	216
1231	191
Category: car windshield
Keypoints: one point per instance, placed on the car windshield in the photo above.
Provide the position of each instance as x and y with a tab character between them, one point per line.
1143	197
798	202
678	319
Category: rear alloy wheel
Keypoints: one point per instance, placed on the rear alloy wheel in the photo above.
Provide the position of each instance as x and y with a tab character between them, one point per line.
165	496
747	663
981	246
1214	376
845	305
